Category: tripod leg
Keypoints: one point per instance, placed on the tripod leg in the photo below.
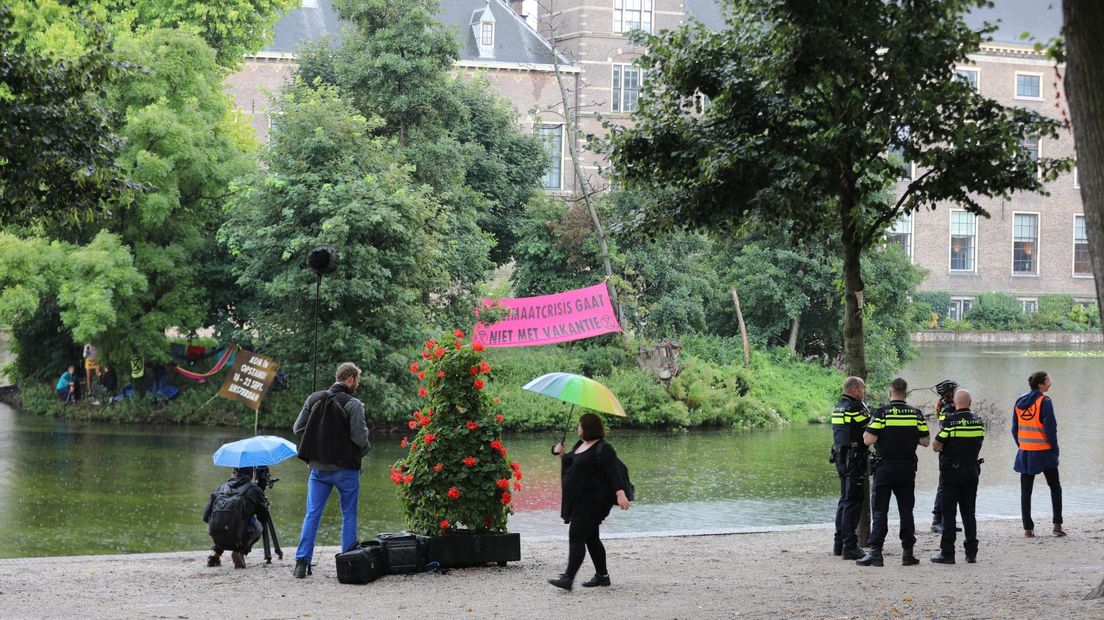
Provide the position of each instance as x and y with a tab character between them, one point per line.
264	535
275	540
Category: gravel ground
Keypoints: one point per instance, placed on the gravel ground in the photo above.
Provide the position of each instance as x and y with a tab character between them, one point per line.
778	574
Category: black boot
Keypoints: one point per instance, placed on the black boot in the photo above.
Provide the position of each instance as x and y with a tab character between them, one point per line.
971	558
943	558
837	548
937	527
854	553
302	569
907	559
562	581
872	558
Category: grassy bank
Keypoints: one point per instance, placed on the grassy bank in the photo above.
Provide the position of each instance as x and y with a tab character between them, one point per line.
714	389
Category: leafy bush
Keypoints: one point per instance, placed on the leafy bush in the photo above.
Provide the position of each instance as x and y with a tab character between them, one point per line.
938	302
999	311
455	472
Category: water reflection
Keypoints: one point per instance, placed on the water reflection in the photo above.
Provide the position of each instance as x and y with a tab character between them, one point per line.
77	488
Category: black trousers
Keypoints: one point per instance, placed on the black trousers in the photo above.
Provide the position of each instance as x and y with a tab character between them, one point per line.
1027	483
852	475
257	528
898	478
959	494
937	509
582	536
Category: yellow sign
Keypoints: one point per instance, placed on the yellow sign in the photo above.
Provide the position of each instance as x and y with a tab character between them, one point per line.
249	378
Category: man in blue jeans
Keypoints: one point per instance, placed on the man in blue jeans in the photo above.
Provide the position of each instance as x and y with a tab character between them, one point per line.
334	440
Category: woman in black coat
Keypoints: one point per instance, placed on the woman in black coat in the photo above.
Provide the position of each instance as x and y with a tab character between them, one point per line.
592	484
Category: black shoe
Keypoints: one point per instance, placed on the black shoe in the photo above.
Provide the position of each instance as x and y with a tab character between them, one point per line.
872	558
562	582
937	528
854	553
942	558
971	558
302	569
908	559
837	548
597	580
213	561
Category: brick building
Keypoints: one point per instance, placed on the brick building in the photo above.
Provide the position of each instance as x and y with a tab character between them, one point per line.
1030	246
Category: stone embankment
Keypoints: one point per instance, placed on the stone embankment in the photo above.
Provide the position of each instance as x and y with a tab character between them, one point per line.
1060	338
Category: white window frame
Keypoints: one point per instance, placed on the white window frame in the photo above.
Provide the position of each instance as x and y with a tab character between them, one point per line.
1038	243
911	233
950	243
977	75
484	29
1076	179
617	87
960	306
563	136
1016	84
1073	257
1032	301
647	8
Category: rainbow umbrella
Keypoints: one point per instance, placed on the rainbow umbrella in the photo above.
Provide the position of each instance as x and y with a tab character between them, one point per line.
577	390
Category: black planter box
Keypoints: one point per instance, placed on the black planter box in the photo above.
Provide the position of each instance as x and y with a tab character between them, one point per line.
470	549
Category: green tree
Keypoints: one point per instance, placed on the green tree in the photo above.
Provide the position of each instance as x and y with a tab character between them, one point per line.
328	181
801	111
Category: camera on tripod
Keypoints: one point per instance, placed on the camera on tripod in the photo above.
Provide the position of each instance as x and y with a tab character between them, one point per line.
263	477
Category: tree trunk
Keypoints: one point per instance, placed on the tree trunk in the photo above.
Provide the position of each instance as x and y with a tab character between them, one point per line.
854	351
743	327
1084	84
796	325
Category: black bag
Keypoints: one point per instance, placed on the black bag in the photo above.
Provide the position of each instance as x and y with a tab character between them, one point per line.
403	553
363	564
228	522
630	490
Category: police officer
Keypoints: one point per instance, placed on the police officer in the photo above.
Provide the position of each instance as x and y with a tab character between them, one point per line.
849	420
944	407
894	431
958	444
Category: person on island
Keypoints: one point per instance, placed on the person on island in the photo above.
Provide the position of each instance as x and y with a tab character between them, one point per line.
334	440
958	444
229	530
91	365
849	453
1036	434
943	408
109	380
67	386
592	484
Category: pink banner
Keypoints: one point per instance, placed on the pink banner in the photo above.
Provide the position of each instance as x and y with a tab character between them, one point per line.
549	319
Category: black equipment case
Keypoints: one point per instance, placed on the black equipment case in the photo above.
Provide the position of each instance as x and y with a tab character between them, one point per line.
403	553
363	564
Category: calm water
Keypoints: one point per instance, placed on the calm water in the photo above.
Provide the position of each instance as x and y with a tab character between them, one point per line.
71	488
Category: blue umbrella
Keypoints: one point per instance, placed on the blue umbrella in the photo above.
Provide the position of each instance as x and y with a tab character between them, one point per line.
255	452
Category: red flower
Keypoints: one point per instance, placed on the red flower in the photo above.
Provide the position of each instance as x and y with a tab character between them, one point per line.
517	486
459	345
478	346
474	370
414	446
425	355
487	522
414	367
403	444
499	418
470	461
444	524
425	420
454	493
438	467
458	334
440	374
484	367
430	438
472	425
503	483
514	465
439	352
478	384
421	376
396	476
505	497
430	344
408	478
417	413
502	452
423	392
412	424
517	473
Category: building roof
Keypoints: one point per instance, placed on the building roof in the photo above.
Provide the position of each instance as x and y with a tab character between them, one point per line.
515	41
1042	19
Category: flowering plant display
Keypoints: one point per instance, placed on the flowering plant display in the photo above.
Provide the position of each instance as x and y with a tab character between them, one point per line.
455	474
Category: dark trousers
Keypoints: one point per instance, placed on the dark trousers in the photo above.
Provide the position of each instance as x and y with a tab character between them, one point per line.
852	475
959	493
898	478
257	530
1027	483
582	536
937	509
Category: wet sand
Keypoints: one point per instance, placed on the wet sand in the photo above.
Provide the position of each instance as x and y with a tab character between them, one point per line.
779	574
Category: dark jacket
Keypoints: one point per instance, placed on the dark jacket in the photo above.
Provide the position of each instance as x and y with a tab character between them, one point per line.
1035	462
334	434
590	481
849	419
255	501
961	436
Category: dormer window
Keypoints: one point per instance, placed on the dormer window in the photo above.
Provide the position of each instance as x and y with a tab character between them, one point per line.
483	28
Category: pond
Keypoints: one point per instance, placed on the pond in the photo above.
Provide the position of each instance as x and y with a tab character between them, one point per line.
70	488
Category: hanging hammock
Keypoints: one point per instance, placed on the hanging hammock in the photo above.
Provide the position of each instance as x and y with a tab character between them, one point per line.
226	356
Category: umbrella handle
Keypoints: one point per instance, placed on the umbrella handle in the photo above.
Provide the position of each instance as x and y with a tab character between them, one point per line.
563	438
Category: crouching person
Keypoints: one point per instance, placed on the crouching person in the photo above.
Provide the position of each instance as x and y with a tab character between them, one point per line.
234	515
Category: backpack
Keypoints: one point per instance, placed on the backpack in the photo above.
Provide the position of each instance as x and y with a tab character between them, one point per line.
630	490
228	523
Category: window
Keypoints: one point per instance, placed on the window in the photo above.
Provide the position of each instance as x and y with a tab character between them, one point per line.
626	87
901	233
486	33
1031	145
1029	306
970	76
552	135
1076	179
963	235
1082	266
959	308
1025	241
1029	86
897	151
632	15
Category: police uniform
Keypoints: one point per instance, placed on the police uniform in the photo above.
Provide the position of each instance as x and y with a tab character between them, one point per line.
961	437
946	409
849	419
899	429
